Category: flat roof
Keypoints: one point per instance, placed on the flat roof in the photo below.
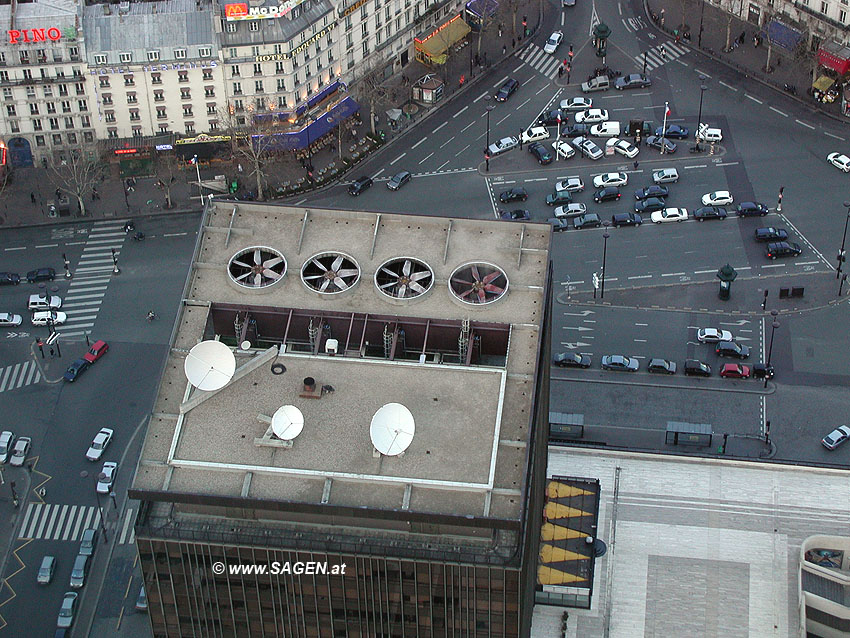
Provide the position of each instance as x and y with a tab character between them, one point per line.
468	454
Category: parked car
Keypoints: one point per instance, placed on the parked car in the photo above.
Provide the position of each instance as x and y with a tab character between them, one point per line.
607	194
571	184
588	220
771	234
44	302
513	195
709	212
359	185
7	442
623	147
782	249
106	478
717	198
694	367
632	81
553	42
41	274
88	542
559	198
20	451
837	437
563	150
732	349
650	205
653	141
669	215
626	219
552	118
518	214
750	209
735	371
79	571
535	134
8	320
592	116
9	279
665	176
571	360
673	132
46	570
97	350
67	610
576	104
652	191
540	152
98	444
587	148
610	179
619	362
503	145
839	161
763	371
47	317
713	335
506	90
559	224
570	210
662	366
575	130
398	180
75	370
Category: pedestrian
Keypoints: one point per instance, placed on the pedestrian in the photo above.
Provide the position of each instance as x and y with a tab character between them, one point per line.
743	37
560	71
513	43
663	51
504	49
51	353
239	168
32	197
636	164
58	194
565	61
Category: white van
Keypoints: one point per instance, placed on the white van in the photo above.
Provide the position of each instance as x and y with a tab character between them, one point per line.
599	83
606	129
706	134
39	302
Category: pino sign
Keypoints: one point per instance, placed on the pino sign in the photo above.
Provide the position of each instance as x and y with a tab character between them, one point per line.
21	36
241	11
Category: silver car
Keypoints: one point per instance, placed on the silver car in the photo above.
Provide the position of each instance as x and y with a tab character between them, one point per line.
67	610
503	145
588	148
79	571
665	176
570	210
20	451
619	362
7	439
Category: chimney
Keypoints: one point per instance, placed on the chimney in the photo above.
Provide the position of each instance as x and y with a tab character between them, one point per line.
309	384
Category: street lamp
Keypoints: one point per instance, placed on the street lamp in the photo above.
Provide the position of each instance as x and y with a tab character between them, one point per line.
605	237
490	107
773	328
841	255
644	62
702	89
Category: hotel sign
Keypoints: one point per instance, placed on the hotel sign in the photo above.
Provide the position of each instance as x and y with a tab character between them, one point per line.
242	11
273	57
351	8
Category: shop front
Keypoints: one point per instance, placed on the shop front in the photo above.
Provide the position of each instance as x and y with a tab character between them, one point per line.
432	49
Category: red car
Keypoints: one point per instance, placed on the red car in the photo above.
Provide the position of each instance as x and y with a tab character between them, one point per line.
98	349
735	371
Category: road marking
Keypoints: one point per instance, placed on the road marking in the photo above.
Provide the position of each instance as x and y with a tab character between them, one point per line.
70	524
174	234
640	340
805	124
500	82
443	164
466	127
835	136
17	248
541	90
756	100
805	263
702	73
448	141
504	118
515	70
726	164
59	523
696	166
485	94
462	150
641	277
127	519
726	85
703	272
426	157
642	324
461	111
394	161
672	274
523	104
440	126
46	245
773	266
418	143
776	110
536	179
579	328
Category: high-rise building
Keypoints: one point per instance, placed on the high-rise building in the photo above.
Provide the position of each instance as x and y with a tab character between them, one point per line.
349	437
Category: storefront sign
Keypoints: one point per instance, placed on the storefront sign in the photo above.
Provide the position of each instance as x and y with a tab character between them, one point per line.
351	8
164	147
203	137
241	11
155	68
22	36
126	151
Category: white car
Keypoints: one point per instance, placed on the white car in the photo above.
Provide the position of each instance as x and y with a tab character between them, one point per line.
570	210
588	148
553	42
98	444
563	149
623	147
106	477
610	179
47	316
669	215
6	441
504	144
8	319
592	116
713	335
571	185
20	451
576	104
717	198
839	160
665	176
535	134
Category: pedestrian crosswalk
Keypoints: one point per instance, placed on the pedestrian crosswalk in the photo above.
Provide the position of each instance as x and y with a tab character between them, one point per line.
18	375
50	521
91	277
660	55
542	62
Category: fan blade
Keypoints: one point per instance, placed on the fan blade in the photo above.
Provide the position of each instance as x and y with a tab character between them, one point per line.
257	257
422	274
401	292
258	280
319	265
349	272
462	281
243	264
271	263
494	289
482	296
389	272
244	275
340	283
325	284
272	274
474	270
417	288
337	263
464	294
322	276
408	266
491	277
389	285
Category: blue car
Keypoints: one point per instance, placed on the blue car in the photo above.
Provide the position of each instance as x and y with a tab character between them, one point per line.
75	370
515	214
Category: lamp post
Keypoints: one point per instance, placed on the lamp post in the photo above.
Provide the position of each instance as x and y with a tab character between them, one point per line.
83	475
198	173
605	237
490	107
841	255
773	328
702	89
644	62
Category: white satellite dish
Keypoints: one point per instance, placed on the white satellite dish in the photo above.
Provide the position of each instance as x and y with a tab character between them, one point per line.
392	429
245	345
287	422
210	365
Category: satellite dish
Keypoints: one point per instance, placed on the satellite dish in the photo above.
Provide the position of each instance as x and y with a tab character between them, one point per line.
210	365
245	345
287	422
392	429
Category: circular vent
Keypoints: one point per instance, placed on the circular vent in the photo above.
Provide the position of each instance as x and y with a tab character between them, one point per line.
404	278
330	273
257	267
478	283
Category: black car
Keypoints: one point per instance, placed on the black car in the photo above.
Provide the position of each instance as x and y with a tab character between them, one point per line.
9	279
571	360
653	141
513	195
650	205
575	130
696	368
750	209
515	214
559	198
41	274
76	369
771	234
606	194
662	366
506	90
709	212
588	220
553	118
782	249
652	191
763	371
398	180
626	219
731	349
540	152
559	224
359	185
674	132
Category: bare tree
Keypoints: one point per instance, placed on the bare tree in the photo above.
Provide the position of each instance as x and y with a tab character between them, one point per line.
731	7
509	10
253	139
372	90
167	168
487	20
78	173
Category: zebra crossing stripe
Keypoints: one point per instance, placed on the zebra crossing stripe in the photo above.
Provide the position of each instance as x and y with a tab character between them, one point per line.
41	527
127	520
5	378
58	532
76	533
34	374
29	512
70	524
52	520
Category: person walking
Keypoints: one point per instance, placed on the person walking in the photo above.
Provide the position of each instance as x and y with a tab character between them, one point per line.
636	164
32	197
513	43
504	49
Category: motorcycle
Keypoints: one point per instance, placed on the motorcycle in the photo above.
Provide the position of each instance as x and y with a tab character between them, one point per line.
790	88
129	226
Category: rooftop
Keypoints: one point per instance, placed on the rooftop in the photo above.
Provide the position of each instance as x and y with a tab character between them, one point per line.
29	15
472	416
